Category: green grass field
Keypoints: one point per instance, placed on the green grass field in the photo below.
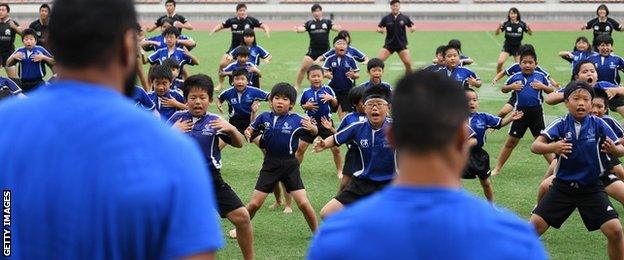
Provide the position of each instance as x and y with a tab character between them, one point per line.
286	236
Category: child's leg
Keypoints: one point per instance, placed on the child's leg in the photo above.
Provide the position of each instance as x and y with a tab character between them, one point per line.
620	110
384	54
244	232
224	62
544	187
487	189
303	146
506	109
612	229
616	190
306	208
305	64
509	146
337	161
331	207
257	199
287	199
407	60
539	223
502	57
343	182
278	197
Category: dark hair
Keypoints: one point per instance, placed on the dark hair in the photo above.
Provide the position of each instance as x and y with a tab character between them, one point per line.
577	68
170	1
345	35
375	63
7	7
240	72
160	72
377	91
313	68
171	63
46	6
468	89
576	85
515	10
418	96
241	51
440	49
241	5
603	38
356	95
584	39
316	7
394	2
166	20
198	81
171	30
284	89
601	94
527	52
448	48
602	6
249	32
338	38
76	31
29	31
526	47
455	43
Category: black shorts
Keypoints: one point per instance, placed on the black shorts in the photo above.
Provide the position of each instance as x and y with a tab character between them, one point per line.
279	168
343	102
511	49
315	53
512	100
227	200
352	162
30	85
478	164
564	197
322	132
533	119
359	188
240	123
616	102
608	179
393	49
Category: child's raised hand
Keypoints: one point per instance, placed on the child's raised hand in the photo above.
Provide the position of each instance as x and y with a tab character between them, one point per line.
307	124
186	51
350	74
248	132
37	57
255	106
537	85
516	115
184	126
18	56
167	102
517	86
221	125
325	122
319	146
220	107
611	92
253	69
326	98
310	105
608	146
472	81
562	148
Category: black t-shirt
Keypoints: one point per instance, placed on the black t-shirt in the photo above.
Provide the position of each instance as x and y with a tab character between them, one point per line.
41	30
175	17
238	26
319	33
7	37
514	32
395	29
606	27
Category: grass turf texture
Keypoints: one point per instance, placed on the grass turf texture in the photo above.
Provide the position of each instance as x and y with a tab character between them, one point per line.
286	236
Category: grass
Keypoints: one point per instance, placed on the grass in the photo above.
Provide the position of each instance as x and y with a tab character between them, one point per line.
282	236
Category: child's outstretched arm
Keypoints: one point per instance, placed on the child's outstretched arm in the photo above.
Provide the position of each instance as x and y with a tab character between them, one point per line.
513	117
324	144
612	148
498	77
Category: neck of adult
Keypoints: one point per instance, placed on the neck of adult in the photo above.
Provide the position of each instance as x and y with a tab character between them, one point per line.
602	19
5	19
43	21
108	76
432	169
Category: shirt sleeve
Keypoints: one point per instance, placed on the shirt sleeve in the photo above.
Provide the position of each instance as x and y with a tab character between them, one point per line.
182	19
492	121
326	64
257	122
146	101
15	89
509	70
616	25
330	24
545	81
225	137
329	53
230	67
45	52
255	22
382	22
354	64
358	55
617	128
608	131
471	132
260	94
540	69
179	97
303	99
346	135
159	21
262	52
408	22
590	24
227	23
154	58
511	79
222	97
306	25
175	117
552	132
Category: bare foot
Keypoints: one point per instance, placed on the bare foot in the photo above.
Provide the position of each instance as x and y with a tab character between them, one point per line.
232	233
275	205
287	210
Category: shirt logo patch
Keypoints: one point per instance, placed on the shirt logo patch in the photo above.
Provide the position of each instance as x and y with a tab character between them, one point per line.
313	26
7	32
246	26
234	26
324	26
519	29
509	29
607	28
596	28
334	64
401	22
207	130
609	208
234	101
364	143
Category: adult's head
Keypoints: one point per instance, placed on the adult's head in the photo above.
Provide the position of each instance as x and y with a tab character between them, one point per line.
317	11
602	10
44	11
4	10
241	11
170	6
395	6
90	49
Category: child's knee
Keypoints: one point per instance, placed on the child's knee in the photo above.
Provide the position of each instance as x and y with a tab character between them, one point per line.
612	230
511	143
240	217
486	184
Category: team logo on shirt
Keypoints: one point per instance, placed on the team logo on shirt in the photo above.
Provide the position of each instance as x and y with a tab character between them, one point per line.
234	26
519	29
324	26
612	66
7	32
286	128
596	28
607	28
207	130
234	101
402	23
364	143
334	64
313	26
246	26
509	29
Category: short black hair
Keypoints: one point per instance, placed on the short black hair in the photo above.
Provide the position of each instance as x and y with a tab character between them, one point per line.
249	32
527	52
170	1
455	43
313	68
75	32
338	38
198	81
577	68
29	31
316	7
241	5
284	89
241	51
603	38
345	35
46	6
394	2
171	30
583	39
601	94
417	97
356	95
440	49
576	85
602	6
448	48
171	63
375	63
377	91
7	7
160	72
166	20
240	72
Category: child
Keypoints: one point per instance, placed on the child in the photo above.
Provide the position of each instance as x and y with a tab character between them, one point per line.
208	130
378	157
280	131
242	61
514	29
241	99
375	69
182	55
318	102
580	140
256	52
141	99
607	64
166	100
8	88
463	59
32	59
174	66
479	162
352	51
157	42
462	75
528	86
438	65
343	71
582	51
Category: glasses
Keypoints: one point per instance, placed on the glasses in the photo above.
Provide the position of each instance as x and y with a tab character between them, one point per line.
375	103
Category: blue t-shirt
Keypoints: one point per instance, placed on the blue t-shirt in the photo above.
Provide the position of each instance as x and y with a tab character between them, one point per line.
11	85
578	56
480	122
206	136
461	75
29	69
166	112
177	85
528	97
163	53
369	84
256	52
585	164
160	39
515	68
377	154
93	188
608	67
615	126
339	66
239	104
281	134
251	76
405	223
351	51
324	108
142	100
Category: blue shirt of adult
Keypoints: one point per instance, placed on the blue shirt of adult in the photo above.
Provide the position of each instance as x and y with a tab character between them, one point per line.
608	67
339	66
111	198
239	103
315	95
30	69
528	97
